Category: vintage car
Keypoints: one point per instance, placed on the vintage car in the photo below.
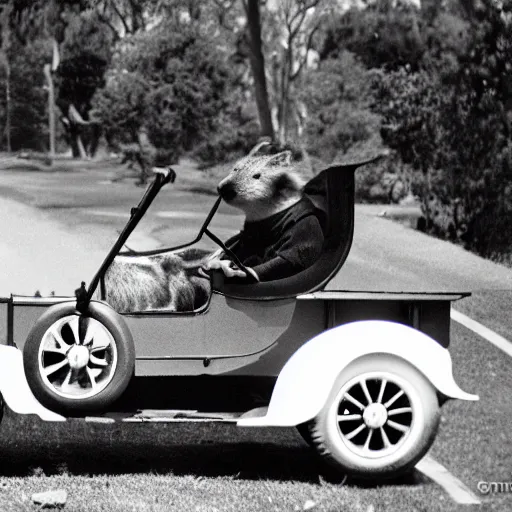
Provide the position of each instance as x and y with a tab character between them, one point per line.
361	373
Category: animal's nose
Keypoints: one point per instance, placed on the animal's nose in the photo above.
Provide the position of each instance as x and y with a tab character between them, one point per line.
227	191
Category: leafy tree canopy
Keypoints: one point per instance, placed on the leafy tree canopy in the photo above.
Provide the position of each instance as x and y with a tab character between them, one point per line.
173	82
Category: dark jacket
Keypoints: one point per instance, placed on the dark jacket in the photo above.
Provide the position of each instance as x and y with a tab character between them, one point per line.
280	245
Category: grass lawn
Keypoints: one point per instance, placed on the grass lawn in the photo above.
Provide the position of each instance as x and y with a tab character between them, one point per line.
185	467
490	307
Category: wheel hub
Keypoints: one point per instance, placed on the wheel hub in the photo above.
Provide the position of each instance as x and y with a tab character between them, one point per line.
375	415
78	357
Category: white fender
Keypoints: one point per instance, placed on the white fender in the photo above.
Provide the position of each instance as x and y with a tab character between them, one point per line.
15	389
306	380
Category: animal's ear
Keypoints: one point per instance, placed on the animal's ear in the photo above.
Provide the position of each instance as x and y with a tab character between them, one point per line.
265	142
279	159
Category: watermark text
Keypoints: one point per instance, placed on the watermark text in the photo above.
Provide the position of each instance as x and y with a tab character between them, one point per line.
494	487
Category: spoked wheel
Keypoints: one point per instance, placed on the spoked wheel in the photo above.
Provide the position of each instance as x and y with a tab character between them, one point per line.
77	357
380	419
77	363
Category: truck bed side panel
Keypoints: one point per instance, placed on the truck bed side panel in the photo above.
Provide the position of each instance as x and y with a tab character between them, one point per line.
430	317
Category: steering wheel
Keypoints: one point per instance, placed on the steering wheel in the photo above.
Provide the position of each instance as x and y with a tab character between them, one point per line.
231	256
237	264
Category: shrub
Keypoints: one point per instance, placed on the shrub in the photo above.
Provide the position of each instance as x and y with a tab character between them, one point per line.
29	100
174	81
457	146
338	97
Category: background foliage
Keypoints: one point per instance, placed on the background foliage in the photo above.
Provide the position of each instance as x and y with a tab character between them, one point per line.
430	81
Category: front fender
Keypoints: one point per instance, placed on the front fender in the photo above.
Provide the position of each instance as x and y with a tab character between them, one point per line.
306	380
15	389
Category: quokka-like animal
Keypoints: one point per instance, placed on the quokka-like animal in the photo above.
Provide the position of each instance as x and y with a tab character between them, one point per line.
282	233
281	236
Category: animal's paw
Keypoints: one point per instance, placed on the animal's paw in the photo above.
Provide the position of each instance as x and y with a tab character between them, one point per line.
228	267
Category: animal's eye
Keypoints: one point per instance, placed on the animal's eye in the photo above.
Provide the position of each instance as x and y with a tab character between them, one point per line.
257	176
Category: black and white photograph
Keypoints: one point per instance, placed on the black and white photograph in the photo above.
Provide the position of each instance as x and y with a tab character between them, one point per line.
256	255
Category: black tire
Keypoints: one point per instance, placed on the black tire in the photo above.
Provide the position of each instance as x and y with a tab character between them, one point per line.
403	449
54	360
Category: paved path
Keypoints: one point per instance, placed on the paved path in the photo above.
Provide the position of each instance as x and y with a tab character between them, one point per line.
39	253
387	256
43	251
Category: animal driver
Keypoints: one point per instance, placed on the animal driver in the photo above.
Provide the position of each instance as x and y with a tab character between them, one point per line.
282	234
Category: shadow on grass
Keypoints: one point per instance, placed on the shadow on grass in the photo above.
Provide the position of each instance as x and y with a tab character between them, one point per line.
31	447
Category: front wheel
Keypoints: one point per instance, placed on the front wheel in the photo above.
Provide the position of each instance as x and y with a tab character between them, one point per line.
78	363
380	418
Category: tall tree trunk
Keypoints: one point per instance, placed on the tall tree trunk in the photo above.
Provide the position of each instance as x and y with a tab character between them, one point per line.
257	62
4	51
51	109
8	103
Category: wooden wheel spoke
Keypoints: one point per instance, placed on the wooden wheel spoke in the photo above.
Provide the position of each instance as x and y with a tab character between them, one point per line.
92	378
392	400
92	328
367	395
350	398
100	341
385	438
368	439
349	417
67	380
400	410
354	433
55	350
97	361
397	426
57	336
381	391
75	328
49	370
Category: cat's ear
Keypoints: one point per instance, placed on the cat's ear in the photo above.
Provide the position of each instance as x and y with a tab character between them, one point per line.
281	159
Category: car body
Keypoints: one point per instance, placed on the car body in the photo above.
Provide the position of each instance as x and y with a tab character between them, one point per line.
361	373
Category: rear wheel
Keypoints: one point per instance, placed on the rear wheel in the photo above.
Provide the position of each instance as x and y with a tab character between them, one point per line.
76	363
381	417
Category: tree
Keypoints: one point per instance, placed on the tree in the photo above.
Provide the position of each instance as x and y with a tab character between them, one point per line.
278	43
5	60
338	96
28	99
297	23
257	60
382	34
172	81
455	129
85	55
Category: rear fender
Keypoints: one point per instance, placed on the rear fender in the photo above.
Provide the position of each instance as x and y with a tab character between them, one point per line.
15	389
306	380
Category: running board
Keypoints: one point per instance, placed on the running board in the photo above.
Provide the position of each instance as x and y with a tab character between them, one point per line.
166	416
